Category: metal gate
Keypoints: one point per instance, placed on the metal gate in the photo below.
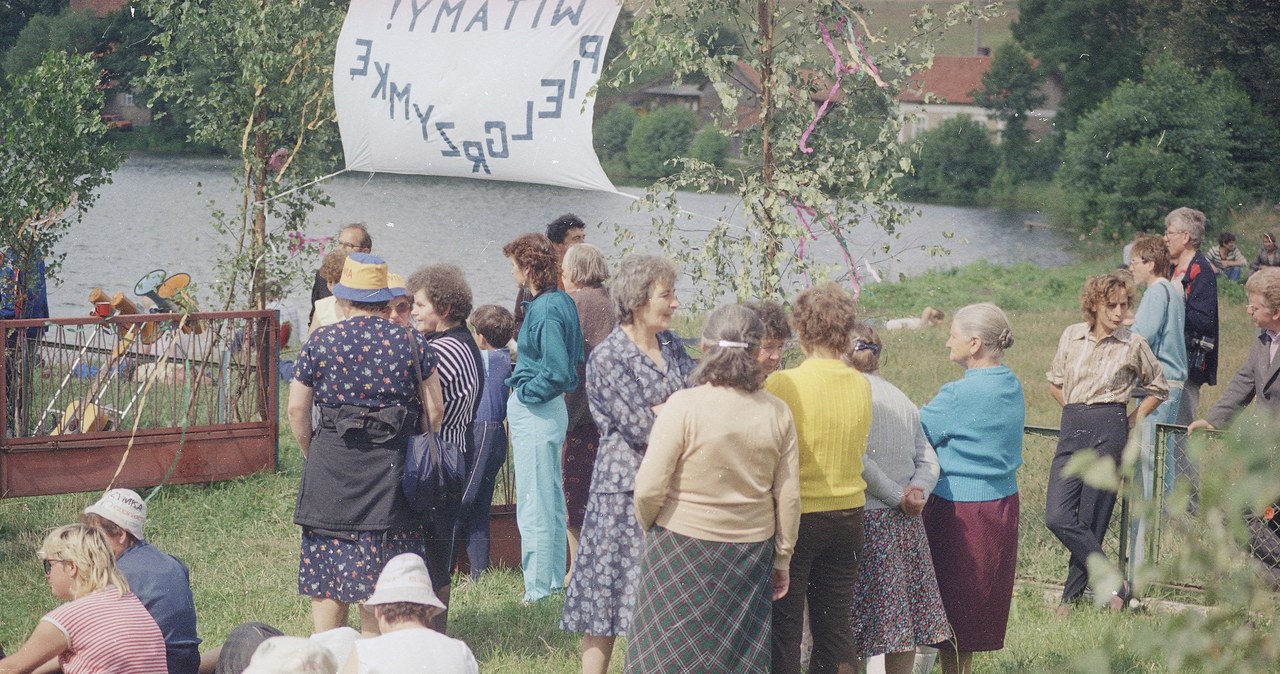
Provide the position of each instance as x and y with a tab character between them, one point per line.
137	400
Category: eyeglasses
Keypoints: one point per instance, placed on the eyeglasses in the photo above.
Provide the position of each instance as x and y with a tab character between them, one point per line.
48	564
1255	307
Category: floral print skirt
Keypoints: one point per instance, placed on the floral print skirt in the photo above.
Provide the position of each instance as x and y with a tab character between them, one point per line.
602	590
347	568
896	603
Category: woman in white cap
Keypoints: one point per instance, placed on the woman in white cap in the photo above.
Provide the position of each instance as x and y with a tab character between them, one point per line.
102	627
367	376
404	605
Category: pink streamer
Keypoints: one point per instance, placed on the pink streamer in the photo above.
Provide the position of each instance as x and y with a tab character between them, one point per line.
841	69
806	215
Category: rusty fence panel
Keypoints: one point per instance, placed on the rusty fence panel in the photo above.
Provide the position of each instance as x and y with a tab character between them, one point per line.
136	400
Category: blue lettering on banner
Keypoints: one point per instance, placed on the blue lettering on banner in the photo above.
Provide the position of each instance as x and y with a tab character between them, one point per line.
400	94
441	127
417	9
562	12
573	79
453	10
391	19
557	98
362	59
590	47
383	72
538	16
423	118
502	136
515	4
528	123
474	150
481	17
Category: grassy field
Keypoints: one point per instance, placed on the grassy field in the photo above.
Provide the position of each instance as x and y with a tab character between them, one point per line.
240	543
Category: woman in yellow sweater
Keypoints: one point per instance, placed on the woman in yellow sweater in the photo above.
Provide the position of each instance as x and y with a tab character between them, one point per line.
718	494
831	404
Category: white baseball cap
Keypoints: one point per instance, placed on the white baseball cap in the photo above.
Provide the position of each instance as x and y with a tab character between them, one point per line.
290	655
124	508
404	579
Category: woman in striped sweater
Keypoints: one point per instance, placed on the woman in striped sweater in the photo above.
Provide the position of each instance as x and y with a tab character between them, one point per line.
441	304
102	627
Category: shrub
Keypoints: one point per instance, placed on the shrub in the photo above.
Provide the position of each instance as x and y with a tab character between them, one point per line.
657	138
956	164
612	131
710	146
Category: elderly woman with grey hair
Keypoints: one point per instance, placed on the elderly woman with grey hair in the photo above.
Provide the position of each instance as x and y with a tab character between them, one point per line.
629	377
582	274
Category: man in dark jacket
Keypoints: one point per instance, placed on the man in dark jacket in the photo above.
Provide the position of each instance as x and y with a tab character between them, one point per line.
1184	232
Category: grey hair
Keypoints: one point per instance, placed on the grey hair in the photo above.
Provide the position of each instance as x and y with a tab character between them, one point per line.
584	264
989	324
635	280
734	364
1187	220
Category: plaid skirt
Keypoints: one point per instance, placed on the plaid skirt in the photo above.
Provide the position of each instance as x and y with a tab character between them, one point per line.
702	606
896	603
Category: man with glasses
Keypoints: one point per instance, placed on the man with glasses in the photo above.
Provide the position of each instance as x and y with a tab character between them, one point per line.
353	238
1184	232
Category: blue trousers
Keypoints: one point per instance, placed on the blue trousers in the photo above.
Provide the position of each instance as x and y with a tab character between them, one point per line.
473	523
1144	473
537	434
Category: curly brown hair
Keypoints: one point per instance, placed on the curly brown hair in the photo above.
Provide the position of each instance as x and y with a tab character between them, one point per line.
331	266
446	288
1103	289
824	316
537	258
773	316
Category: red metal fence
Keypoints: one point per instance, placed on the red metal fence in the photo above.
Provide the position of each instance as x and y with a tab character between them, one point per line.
137	400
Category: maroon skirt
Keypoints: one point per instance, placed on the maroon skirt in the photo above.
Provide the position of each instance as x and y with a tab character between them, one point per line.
975	554
576	465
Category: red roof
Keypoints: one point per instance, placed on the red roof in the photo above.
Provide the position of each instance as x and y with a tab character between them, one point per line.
951	79
100	8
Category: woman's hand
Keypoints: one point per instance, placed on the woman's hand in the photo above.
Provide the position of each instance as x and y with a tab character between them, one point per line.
912	501
780	582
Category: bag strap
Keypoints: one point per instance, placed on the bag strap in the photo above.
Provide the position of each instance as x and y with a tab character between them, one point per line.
417	380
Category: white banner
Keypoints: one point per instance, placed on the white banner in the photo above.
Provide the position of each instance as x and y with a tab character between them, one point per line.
493	89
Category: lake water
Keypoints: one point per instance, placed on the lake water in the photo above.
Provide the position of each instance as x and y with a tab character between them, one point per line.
156	215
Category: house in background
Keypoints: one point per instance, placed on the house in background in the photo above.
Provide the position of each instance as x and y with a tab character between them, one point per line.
945	90
118	101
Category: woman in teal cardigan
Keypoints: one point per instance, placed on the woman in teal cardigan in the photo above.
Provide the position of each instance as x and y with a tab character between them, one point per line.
975	424
550	349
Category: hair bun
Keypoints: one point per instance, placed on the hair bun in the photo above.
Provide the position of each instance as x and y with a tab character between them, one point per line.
1005	339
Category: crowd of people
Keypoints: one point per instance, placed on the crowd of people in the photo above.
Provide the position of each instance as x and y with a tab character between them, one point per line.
711	510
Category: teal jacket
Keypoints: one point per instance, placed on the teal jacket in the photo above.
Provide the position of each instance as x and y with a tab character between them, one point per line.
550	348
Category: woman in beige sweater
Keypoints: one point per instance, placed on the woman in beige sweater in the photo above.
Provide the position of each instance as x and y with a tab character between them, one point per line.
718	492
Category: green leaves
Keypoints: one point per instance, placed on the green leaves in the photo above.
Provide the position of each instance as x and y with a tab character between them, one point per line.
53	153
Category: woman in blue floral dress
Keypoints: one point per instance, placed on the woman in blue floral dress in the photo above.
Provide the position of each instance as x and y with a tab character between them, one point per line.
629	376
360	373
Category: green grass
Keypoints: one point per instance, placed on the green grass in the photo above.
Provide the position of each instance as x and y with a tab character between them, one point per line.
241	545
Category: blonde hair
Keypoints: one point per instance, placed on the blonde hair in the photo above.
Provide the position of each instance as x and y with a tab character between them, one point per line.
584	264
88	548
1266	283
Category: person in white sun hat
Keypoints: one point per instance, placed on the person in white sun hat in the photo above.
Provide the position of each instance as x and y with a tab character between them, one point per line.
403	604
160	581
291	655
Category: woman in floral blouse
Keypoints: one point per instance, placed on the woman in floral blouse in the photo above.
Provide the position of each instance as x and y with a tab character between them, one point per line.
360	373
629	376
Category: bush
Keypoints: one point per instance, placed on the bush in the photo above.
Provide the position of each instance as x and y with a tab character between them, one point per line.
956	164
710	146
612	131
1174	139
659	137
